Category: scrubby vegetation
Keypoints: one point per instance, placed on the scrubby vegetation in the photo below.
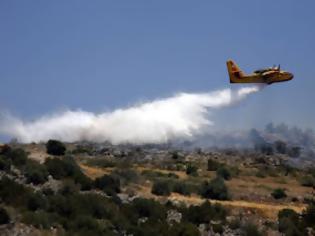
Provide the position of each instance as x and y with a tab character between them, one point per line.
161	188
55	147
215	189
279	193
88	191
4	216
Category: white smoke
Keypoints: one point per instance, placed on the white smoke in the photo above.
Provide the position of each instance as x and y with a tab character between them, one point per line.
181	116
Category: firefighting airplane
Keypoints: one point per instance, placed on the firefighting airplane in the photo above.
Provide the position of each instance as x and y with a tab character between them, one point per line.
266	76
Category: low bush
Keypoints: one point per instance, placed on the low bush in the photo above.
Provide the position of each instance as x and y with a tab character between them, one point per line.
39	219
36	201
278	193
35	173
250	229
224	173
308	216
307	181
192	170
5	163
289	222
67	167
184	229
55	147
18	156
107	183
4	216
13	193
204	213
182	188
161	188
126	175
215	189
213	165
148	208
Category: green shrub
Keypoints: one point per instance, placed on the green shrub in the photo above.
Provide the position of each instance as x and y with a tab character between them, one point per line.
289	222
182	188
5	163
250	229
4	216
204	213
13	193
161	188
55	147
83	222
224	173
307	181
213	165
35	173
184	229
18	156
148	208
67	167
39	219
215	189
278	193
126	175
107	183
217	228
36	201
60	168
68	187
191	170
308	216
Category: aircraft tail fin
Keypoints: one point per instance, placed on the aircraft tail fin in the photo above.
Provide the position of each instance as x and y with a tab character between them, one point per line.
235	72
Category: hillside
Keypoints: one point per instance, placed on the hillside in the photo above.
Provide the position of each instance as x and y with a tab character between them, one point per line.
101	189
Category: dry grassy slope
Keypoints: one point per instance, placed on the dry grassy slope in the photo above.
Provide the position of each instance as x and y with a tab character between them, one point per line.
237	186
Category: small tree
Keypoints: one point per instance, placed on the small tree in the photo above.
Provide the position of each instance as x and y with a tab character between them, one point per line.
182	188
18	156
213	165
161	188
249	229
224	173
4	216
215	189
191	170
36	173
5	163
278	193
309	216
108	184
55	147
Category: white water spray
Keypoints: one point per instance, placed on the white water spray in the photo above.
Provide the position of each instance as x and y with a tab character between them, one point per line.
159	121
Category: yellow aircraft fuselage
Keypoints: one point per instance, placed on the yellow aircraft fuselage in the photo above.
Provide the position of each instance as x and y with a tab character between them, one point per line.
266	76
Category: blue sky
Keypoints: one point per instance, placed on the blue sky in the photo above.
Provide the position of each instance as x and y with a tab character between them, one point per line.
101	55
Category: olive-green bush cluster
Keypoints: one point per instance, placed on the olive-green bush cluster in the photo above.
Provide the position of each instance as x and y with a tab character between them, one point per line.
66	167
93	214
292	223
55	147
278	193
215	189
